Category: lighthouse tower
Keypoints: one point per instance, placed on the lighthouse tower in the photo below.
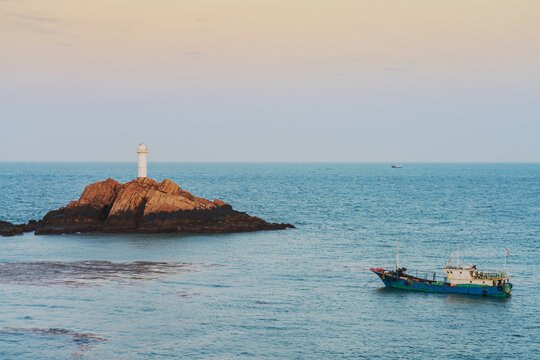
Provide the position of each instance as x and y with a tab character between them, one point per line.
142	150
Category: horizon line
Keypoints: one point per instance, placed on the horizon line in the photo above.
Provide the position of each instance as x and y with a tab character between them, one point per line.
276	162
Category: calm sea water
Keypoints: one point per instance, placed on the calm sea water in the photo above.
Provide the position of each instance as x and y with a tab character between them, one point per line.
295	294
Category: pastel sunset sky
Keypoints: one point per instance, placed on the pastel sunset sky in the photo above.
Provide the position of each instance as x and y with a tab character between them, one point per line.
280	80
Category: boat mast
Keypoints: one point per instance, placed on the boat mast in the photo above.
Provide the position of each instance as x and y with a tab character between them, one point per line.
397	255
506	255
457	255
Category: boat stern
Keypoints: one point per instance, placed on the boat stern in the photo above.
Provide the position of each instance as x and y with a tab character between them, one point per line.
507	289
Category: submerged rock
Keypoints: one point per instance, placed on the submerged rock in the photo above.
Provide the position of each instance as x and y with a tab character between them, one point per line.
144	205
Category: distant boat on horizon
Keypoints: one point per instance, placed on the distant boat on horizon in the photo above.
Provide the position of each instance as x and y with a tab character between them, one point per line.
397	166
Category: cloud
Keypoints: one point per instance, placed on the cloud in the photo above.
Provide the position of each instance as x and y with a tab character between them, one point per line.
34	22
34	18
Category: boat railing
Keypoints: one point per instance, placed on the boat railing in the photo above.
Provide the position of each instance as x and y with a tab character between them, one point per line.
437	276
489	274
427	275
481	273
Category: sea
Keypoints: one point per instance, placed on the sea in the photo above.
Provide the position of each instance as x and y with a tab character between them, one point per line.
304	293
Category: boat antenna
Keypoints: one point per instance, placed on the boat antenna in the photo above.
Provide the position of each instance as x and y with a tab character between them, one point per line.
449	258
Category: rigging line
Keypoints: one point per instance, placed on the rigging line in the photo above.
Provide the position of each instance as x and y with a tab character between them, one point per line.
371	281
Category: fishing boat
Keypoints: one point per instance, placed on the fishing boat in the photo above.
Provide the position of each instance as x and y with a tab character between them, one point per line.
397	166
456	279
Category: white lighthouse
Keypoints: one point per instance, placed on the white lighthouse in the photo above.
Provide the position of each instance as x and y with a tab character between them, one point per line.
142	150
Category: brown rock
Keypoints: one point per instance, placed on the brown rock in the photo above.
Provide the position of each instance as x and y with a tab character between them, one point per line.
220	203
9	229
146	206
169	187
86	214
31	226
99	194
128	206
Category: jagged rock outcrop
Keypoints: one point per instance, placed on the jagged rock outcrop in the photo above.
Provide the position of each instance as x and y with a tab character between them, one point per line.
144	205
9	229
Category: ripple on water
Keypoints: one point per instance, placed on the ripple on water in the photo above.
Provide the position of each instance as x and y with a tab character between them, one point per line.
83	341
90	273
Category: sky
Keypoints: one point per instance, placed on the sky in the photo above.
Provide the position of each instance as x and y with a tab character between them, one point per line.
280	80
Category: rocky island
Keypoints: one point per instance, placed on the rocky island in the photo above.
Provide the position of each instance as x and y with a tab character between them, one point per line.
143	205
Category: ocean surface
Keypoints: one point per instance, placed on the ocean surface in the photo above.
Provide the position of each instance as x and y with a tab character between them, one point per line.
295	294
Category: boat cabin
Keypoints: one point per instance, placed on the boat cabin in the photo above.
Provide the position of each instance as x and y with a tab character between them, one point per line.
470	275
